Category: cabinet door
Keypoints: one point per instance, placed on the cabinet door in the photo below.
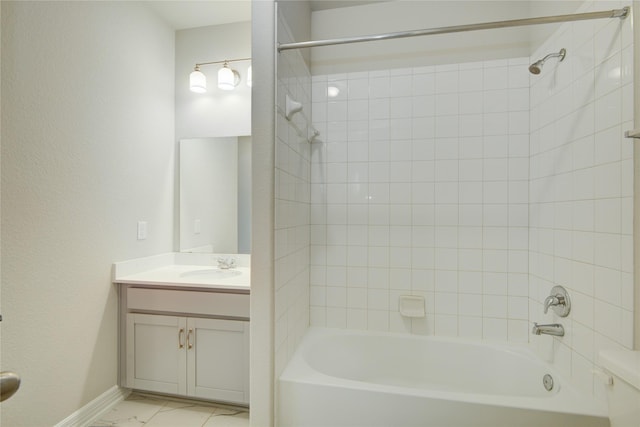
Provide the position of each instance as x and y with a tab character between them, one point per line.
218	360
156	356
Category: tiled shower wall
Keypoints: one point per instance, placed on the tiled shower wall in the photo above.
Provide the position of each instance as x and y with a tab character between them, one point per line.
581	187
292	204
430	181
419	186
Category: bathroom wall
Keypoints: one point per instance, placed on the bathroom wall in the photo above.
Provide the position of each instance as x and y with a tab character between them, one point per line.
87	151
581	192
394	16
216	112
636	158
419	187
292	198
263	119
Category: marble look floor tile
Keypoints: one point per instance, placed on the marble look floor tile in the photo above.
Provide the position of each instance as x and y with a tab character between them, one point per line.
175	414
132	412
228	418
155	411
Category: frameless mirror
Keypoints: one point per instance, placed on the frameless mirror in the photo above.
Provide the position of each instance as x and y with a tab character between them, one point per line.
215	195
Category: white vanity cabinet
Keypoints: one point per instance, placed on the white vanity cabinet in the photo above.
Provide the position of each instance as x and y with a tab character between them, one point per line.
187	342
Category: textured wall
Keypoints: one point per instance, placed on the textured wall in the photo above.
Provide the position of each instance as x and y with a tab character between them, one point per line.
87	151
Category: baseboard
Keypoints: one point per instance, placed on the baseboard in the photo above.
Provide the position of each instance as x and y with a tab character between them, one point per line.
92	410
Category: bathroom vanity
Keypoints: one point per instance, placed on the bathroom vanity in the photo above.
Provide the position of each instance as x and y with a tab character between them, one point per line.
184	327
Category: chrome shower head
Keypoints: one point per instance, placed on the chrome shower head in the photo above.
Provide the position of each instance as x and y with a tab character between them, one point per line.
536	67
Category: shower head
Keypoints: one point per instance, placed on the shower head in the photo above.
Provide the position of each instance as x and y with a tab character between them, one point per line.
536	67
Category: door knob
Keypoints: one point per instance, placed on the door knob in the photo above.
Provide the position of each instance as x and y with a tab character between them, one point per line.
9	384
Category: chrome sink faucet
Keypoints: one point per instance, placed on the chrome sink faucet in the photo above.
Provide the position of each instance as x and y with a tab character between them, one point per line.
226	263
550	329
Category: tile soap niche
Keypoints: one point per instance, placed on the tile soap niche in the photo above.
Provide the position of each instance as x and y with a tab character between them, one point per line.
411	306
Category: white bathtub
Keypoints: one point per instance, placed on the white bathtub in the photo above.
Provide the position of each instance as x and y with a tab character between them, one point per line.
350	378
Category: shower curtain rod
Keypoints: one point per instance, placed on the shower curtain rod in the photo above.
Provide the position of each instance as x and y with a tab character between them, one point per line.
615	13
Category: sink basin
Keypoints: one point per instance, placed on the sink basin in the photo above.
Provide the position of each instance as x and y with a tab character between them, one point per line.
214	273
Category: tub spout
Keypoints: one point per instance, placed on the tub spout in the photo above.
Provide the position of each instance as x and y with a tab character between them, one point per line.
550	329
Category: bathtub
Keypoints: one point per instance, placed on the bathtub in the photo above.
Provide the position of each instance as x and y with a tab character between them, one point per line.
351	378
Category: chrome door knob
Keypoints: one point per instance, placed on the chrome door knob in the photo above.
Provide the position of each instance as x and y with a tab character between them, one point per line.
9	384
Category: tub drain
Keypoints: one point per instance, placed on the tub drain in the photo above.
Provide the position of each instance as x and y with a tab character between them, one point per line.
547	380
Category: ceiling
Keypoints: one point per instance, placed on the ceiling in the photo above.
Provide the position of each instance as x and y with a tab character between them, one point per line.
183	14
334	4
191	14
200	13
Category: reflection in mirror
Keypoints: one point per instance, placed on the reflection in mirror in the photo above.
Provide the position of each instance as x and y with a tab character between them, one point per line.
215	195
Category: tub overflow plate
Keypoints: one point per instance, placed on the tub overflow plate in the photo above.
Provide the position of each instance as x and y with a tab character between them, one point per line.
547	380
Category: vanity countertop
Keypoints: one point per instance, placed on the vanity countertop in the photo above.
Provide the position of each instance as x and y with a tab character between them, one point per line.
178	272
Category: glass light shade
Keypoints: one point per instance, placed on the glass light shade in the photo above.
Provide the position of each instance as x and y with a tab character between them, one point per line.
197	82
249	78
226	79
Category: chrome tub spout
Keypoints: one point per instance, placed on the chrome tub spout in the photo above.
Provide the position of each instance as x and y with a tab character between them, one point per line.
555	329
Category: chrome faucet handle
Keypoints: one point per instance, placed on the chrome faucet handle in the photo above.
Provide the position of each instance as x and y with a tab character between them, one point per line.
558	301
549	301
553	300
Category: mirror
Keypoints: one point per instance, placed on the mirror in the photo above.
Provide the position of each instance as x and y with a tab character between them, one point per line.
215	195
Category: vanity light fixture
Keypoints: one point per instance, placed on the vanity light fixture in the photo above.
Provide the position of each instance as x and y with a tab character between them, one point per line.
197	81
228	78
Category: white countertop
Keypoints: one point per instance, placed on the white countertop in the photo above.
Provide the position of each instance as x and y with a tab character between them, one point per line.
191	276
182	271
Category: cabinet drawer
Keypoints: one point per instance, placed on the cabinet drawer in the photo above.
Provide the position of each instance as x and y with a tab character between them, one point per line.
193	302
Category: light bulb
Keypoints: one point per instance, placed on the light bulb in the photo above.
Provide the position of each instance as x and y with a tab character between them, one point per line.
249	78
332	91
226	78
197	81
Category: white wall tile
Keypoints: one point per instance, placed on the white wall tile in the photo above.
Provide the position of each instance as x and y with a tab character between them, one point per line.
496	78
447	80
494	329
480	187
471	102
423	83
588	259
446	325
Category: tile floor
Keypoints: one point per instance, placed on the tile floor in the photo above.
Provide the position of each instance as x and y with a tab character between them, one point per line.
154	411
